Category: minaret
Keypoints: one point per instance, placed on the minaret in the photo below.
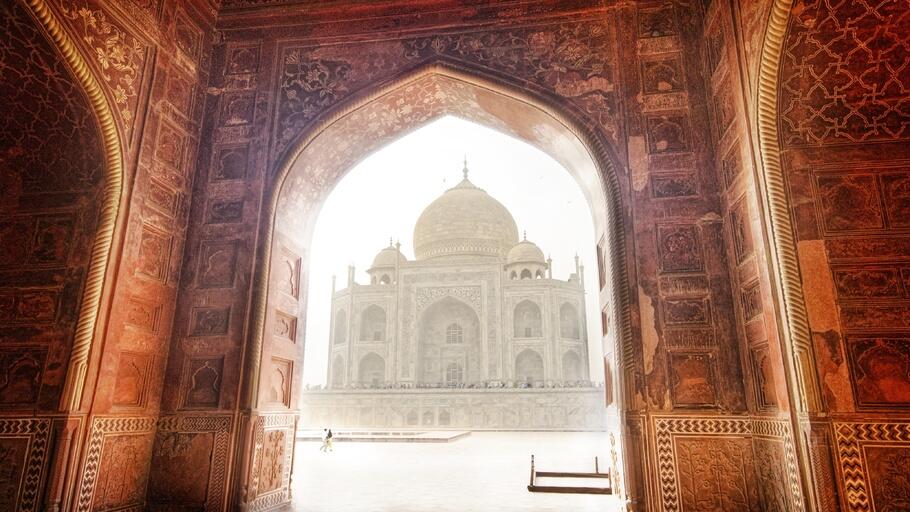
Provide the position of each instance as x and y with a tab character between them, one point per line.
549	267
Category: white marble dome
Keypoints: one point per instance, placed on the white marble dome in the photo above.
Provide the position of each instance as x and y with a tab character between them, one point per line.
526	252
464	221
388	257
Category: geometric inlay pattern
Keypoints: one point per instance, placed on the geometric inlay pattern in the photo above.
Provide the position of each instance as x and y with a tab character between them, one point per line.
37	432
851	439
847	73
667	429
101	427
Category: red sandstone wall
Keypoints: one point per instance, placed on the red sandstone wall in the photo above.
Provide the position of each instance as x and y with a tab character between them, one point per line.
844	123
50	179
149	58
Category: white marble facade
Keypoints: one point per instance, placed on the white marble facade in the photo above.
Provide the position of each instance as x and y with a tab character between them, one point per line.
462	409
476	309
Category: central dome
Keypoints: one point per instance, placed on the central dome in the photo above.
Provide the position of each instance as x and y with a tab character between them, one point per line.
464	221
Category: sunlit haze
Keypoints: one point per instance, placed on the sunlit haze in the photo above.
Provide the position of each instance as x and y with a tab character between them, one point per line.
382	197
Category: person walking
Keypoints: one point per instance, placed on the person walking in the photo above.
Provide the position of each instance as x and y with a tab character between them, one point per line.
325	440
328	440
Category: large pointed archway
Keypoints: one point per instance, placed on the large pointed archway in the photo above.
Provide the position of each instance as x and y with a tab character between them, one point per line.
324	154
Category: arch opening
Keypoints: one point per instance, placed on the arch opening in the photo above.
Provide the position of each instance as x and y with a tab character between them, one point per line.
469	97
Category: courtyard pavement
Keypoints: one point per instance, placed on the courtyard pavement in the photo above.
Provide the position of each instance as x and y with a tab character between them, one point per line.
483	472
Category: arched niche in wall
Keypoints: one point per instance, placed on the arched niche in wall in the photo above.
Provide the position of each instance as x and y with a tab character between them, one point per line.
444	328
527	322
529	368
372	323
371	370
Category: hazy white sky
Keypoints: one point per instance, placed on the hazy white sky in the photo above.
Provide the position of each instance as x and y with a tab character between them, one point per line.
383	196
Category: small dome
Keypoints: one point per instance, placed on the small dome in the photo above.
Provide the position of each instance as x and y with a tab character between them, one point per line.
526	252
464	221
388	257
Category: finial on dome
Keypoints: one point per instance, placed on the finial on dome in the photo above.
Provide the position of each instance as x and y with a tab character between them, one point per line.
464	169
390	242
525	233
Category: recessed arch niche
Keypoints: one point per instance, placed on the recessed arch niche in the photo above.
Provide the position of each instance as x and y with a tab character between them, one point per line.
342	138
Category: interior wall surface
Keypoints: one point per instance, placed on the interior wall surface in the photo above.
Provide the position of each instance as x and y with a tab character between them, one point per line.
95	208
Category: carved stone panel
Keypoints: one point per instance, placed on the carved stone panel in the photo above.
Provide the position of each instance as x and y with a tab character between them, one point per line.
679	248
210	321
771	470
674	185
238	109
154	253
280	377
185	455
873	282
230	162
662	75
21	370
668	133
132	380
687	311
886	467
880	370
285	326
13	454
751	301
716	473
162	198
202	382
763	374
849	202
272	467
217	264
190	462
288	272
228	211
896	192
114	487
741	231
658	22
171	147
242	60
692	380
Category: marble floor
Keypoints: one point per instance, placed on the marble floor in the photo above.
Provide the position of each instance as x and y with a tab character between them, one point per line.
484	472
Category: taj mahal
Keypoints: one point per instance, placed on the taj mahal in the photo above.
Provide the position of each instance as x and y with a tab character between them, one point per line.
474	332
